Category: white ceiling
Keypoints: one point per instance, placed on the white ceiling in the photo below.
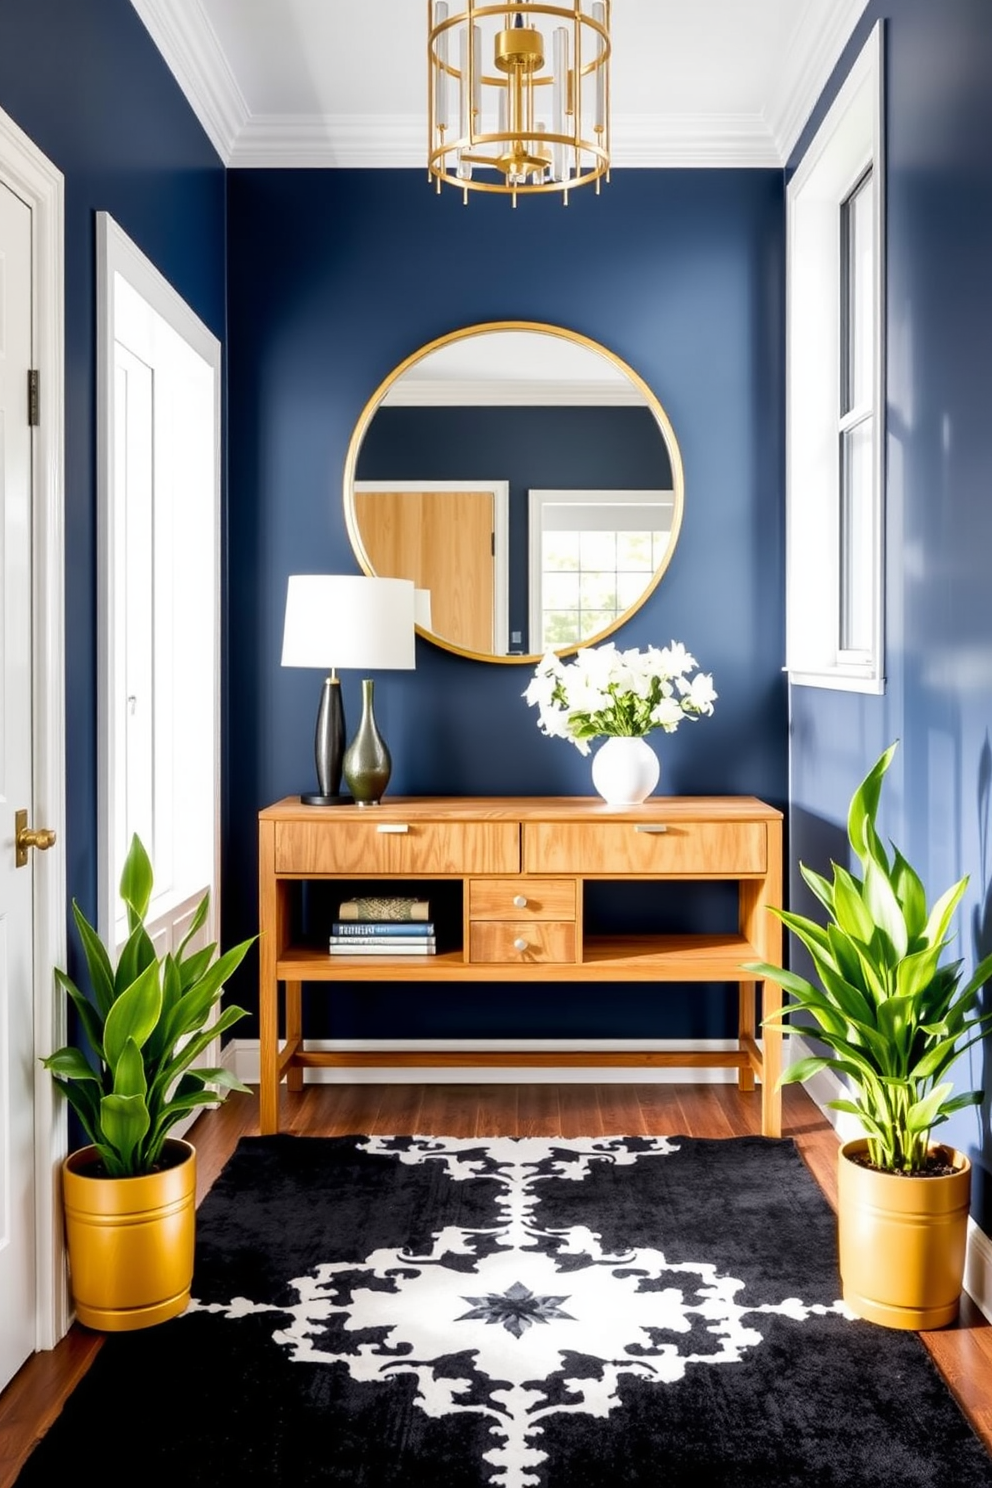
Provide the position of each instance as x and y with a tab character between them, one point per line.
343	82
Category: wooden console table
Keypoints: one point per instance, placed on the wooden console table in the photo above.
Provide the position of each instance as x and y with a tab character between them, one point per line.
522	863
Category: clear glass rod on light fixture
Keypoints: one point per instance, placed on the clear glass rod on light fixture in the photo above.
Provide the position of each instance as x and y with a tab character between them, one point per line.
532	88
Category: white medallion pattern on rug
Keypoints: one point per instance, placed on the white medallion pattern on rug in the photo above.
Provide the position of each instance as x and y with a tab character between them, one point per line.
518	1312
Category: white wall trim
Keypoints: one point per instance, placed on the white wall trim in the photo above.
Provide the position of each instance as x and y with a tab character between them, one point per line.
825	1086
501	392
850	140
192	52
242	1056
116	253
32	176
396	141
802	85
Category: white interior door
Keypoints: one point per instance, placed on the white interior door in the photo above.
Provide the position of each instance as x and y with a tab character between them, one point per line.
17	1052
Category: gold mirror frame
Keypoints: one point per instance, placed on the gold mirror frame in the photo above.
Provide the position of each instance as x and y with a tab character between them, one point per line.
488	328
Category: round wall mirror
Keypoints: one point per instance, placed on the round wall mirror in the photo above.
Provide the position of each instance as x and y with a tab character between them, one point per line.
526	479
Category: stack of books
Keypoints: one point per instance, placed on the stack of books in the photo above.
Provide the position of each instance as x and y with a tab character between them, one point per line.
383	927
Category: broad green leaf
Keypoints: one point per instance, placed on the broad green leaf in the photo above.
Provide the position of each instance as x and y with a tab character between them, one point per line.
820	886
940	917
133	1015
125	1120
978	978
129	1072
138	954
198	920
194	967
194	1047
85	1101
804	1069
911	895
885	910
193	1008
97	961
850	909
136	882
864	805
85	1011
921	1115
960	1102
71	1064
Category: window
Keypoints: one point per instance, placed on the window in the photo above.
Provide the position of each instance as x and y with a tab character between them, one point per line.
834	434
159	590
593	554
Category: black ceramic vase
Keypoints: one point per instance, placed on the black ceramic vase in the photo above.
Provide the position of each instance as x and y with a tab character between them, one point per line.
367	765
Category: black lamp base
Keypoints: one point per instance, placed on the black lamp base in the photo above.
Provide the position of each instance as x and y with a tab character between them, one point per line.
314	799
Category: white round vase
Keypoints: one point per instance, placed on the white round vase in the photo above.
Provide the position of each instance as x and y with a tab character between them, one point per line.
625	771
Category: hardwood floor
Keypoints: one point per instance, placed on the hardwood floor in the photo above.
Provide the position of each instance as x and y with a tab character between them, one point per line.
963	1353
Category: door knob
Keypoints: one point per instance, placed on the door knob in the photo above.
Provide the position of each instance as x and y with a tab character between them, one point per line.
24	837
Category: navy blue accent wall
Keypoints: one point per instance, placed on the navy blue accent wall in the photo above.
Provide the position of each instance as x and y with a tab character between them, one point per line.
530	448
87	84
334	278
938	698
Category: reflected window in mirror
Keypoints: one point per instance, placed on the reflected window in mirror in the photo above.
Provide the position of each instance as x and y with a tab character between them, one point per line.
591	555
515	407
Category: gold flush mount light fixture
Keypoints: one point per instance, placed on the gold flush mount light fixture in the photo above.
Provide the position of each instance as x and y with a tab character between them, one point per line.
519	96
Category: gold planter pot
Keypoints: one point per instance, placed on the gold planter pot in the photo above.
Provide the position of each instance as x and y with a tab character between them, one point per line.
130	1240
902	1241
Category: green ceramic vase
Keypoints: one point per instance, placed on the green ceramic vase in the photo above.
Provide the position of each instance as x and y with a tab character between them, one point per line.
367	764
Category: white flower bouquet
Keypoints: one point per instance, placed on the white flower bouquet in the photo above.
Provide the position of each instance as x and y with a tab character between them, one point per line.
622	694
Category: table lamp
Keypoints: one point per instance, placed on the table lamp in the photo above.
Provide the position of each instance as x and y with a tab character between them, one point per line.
345	620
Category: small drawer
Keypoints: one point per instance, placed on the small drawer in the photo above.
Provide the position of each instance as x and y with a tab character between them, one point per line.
508	941
521	899
651	847
369	844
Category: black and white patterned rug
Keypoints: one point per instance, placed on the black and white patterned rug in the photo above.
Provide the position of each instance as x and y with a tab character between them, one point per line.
521	1313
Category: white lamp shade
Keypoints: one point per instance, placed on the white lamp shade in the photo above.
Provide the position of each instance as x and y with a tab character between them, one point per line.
422	608
348	620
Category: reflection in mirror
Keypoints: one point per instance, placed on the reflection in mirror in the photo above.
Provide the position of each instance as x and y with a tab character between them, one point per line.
526	480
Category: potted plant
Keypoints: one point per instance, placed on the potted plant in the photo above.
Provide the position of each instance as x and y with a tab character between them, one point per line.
623	695
895	1020
129	1195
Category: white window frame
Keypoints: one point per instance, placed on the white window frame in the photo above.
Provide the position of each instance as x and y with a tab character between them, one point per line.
538	500
171	909
848	143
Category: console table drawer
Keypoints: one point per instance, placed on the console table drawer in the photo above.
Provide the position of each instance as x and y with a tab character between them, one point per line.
368	845
653	848
503	941
521	899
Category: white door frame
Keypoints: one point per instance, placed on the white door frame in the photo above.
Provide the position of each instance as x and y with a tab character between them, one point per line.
28	173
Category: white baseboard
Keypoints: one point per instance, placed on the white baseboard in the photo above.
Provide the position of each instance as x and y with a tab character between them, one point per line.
242	1056
824	1087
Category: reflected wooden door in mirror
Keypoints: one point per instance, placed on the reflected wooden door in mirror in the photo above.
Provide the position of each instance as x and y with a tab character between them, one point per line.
586	482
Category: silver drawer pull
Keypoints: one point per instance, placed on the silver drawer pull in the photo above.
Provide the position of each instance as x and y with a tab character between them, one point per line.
519	944
519	901
399	827
652	827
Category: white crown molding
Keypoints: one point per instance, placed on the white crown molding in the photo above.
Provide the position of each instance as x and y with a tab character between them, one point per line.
332	141
397	141
651	141
814	54
189	45
408	392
